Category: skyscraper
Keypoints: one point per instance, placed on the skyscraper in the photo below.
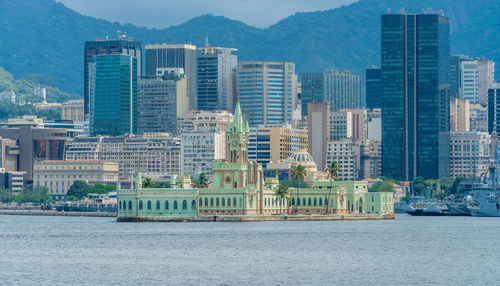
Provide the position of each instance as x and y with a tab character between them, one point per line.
312	90
373	87
120	46
267	91
342	90
174	56
415	96
113	95
214	85
494	108
318	128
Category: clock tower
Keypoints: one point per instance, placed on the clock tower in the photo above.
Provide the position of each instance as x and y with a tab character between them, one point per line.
237	139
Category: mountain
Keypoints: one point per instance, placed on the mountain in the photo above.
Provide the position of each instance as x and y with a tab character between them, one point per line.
45	37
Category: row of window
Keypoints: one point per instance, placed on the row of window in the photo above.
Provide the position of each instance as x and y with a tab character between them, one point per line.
123	205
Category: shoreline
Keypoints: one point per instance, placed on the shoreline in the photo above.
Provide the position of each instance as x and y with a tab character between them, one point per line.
56	213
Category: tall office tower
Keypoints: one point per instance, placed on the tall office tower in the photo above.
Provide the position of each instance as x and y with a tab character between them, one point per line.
120	46
214	86
113	95
160	101
342	90
415	96
318	128
373	87
267	91
460	115
478	118
493	108
456	76
312	90
486	79
174	56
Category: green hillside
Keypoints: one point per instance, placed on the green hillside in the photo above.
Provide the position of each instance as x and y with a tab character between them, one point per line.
45	37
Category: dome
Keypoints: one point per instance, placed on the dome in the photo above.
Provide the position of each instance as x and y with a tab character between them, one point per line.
301	156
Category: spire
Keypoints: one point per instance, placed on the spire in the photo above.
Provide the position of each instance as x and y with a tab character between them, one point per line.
138	180
238	121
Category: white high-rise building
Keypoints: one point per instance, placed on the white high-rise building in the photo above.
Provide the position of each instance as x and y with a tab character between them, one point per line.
469	153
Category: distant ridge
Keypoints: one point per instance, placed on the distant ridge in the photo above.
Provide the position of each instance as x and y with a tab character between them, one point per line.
45	37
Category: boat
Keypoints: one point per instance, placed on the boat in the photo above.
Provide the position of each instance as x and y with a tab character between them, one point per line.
489	207
427	208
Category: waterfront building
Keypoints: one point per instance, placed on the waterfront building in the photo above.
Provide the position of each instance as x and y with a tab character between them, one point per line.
156	155
318	131
282	169
239	189
312	90
370	159
119	46
373	87
32	144
13	181
200	119
415	95
278	141
493	108
342	90
478	118
113	95
73	110
267	91
9	154
199	148
59	175
160	101
214	78
346	154
252	144
460	115
470	153
174	56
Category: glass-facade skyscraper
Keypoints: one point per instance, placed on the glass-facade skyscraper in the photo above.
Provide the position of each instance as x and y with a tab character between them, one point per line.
215	84
121	46
373	87
312	89
415	96
174	56
113	95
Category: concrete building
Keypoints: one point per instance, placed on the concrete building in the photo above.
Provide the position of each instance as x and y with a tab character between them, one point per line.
73	110
155	155
493	108
215	84
346	153
119	46
415	51
59	175
374	124
470	153
460	115
113	95
200	119
13	181
486	79
34	144
199	148
278	141
312	90
267	91
478	118
370	159
9	154
160	101
342	90
174	56
318	131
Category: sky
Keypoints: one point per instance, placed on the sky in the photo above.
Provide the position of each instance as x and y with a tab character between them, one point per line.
164	13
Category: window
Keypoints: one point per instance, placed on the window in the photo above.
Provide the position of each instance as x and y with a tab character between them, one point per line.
201	202
320	201
309	201
166	205
315	201
304	202
193	204
223	202
175	205
184	205
129	205
120	205
234	202
228	202
140	205
206	202
212	202
157	205
149	205
217	202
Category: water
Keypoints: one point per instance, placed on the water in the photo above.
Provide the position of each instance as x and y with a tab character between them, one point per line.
99	251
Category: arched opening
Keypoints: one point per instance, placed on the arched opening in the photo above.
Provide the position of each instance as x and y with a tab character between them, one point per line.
175	205
206	202
234	202
223	202
166	205
217	202
129	205
315	202
348	205
293	201
149	205
304	202
360	205
201	202
140	205
184	205
320	201
309	201
193	204
157	205
120	205
211	202
229	202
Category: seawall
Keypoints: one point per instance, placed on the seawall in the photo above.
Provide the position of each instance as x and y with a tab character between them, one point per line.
56	213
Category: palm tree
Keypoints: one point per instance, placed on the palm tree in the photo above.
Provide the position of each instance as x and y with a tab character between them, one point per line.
203	181
147	183
298	174
333	172
281	194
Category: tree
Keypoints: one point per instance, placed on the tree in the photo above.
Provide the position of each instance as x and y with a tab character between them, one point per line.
333	173
147	183
385	186
456	182
102	189
35	195
419	186
78	191
298	175
162	185
203	181
6	196
281	194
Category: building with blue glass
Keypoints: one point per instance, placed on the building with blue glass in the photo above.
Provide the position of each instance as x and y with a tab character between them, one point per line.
373	87
312	90
113	95
415	60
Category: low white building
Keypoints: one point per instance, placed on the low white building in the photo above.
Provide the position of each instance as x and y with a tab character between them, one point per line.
199	148
469	153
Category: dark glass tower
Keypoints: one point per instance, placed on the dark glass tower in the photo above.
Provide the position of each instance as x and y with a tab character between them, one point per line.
494	109
113	95
312	89
415	96
373	87
174	56
107	47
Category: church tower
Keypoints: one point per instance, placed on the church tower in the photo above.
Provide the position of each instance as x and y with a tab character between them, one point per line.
237	139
